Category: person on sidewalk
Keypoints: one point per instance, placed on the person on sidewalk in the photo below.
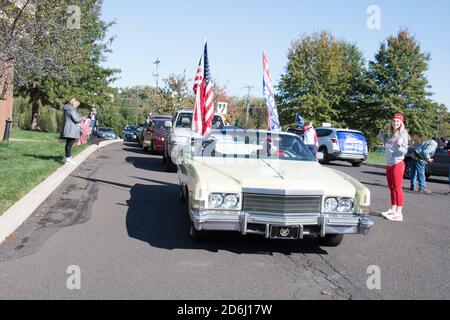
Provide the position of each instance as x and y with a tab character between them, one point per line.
93	121
72	128
311	140
395	148
420	158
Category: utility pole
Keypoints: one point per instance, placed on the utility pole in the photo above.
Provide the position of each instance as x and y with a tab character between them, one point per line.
137	106
156	76
249	88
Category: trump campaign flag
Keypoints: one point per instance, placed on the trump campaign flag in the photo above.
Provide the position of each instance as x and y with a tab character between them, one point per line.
273	122
203	108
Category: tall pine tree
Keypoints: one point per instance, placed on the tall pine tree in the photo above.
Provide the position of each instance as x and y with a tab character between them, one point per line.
399	84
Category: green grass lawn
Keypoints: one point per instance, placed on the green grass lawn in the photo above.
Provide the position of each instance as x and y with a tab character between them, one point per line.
39	136
375	158
23	165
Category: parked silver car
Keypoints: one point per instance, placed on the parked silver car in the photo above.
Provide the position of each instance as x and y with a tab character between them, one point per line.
106	133
342	144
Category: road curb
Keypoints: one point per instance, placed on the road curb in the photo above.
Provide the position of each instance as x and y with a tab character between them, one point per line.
16	215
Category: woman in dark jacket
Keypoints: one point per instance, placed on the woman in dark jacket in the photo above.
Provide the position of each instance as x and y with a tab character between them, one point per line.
72	128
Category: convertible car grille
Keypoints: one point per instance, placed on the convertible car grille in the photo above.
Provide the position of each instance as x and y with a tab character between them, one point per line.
275	204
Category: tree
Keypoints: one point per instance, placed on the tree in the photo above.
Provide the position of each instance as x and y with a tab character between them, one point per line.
54	59
321	79
442	124
399	84
176	94
136	103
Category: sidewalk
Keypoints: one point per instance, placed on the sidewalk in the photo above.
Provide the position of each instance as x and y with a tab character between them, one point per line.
16	215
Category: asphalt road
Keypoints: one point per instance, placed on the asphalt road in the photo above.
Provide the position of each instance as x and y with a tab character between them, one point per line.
118	219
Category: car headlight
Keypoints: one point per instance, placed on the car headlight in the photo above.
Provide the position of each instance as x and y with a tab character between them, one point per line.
331	204
216	200
345	205
340	205
224	200
231	201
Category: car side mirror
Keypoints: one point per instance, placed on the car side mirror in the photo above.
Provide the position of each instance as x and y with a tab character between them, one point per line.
168	124
319	156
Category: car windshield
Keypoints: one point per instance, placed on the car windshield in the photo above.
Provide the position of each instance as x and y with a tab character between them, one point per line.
131	128
185	121
253	145
159	124
105	130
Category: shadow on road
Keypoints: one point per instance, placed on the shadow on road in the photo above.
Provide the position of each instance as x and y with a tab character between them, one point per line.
150	163
156	216
135	150
131	144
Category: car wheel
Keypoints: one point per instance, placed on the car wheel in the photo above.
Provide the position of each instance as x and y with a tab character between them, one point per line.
164	158
427	173
408	170
357	164
182	196
170	166
152	148
326	157
331	240
194	234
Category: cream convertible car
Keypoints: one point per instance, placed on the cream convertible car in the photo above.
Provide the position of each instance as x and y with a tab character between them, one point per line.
269	184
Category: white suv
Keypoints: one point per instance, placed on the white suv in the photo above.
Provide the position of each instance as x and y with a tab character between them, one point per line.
179	134
342	144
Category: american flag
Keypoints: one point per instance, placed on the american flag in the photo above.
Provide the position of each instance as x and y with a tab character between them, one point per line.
204	109
273	121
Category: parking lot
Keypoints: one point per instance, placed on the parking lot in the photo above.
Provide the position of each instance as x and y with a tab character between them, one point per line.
118	219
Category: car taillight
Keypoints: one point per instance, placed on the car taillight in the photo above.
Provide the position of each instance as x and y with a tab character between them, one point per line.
335	141
448	151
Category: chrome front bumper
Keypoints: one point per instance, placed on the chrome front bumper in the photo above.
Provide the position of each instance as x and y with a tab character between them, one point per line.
246	223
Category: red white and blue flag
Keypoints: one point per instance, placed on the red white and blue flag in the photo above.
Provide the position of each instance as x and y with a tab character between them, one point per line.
273	121
204	108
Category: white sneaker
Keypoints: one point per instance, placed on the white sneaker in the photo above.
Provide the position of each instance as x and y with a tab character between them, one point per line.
70	161
395	217
388	213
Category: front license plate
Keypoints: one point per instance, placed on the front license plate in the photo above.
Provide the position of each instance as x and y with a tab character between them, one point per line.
280	232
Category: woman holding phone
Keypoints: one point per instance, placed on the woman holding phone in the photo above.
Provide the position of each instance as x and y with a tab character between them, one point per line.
72	128
395	148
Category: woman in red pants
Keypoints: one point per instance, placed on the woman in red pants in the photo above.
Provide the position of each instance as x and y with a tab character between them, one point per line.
395	149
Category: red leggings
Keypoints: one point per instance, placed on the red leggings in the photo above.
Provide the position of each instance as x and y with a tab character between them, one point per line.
394	177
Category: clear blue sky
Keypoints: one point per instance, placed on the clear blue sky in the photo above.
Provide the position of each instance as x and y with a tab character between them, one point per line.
239	30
